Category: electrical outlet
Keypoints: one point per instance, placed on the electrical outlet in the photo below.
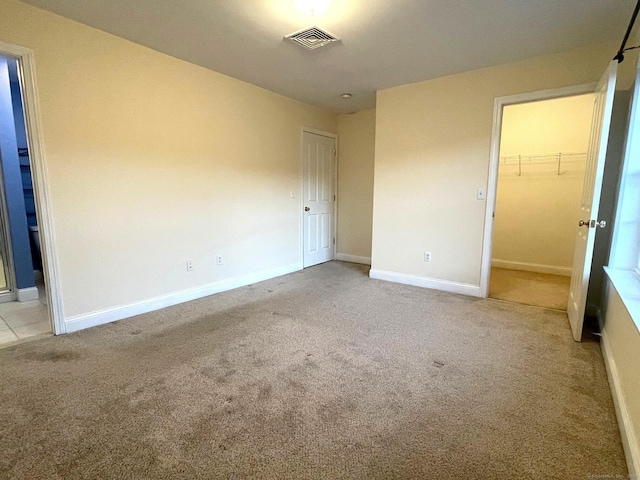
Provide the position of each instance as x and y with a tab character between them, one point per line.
427	256
189	265
480	193
218	259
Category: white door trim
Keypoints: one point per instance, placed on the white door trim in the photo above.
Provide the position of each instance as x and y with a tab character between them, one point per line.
335	190
27	74
492	184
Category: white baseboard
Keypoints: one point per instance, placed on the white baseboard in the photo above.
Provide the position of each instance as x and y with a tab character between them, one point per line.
629	439
28	294
531	267
425	282
80	322
343	257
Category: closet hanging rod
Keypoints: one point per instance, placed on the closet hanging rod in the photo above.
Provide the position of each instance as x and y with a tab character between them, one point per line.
539	156
539	159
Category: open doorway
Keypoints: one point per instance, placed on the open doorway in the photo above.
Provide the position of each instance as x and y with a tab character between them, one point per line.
543	152
23	301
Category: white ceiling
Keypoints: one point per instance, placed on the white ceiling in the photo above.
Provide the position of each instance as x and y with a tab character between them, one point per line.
385	43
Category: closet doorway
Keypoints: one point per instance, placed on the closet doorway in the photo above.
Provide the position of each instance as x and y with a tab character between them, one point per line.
543	147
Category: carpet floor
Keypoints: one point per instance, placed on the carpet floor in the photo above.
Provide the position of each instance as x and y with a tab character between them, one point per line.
530	288
323	373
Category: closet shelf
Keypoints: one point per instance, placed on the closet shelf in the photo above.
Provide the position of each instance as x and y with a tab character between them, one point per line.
558	159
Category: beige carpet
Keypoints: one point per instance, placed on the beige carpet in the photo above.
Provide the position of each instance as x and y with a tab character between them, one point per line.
530	288
322	374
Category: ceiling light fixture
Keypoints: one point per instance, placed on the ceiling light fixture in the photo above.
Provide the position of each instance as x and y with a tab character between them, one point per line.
346	96
313	7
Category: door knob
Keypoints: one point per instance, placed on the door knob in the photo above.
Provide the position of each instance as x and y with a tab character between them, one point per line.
306	209
592	223
600	224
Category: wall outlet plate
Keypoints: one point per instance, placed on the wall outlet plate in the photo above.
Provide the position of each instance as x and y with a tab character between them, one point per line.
189	265
427	256
218	259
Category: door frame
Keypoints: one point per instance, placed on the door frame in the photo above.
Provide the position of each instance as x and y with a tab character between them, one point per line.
31	105
492	184
11	292
334	136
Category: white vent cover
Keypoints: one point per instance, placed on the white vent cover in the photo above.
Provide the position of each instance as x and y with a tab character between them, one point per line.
312	38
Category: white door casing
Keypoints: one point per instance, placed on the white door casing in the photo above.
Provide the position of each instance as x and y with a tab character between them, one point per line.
318	198
587	225
27	75
492	182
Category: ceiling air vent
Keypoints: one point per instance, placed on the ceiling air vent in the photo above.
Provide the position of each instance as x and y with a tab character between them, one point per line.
312	38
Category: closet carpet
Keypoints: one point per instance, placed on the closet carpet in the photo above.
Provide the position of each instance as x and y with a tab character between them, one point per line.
530	288
321	374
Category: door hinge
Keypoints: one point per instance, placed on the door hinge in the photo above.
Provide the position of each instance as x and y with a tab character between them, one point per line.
334	198
334	241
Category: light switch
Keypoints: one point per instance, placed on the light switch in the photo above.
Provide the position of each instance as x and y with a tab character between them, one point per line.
480	193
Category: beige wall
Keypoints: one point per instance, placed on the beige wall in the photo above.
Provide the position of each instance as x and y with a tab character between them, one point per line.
356	134
621	347
153	161
549	126
433	142
536	208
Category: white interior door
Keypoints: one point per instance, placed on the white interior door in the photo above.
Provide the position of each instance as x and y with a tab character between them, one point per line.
318	157
587	224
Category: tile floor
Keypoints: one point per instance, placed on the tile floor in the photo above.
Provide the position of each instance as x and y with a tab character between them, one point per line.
20	320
